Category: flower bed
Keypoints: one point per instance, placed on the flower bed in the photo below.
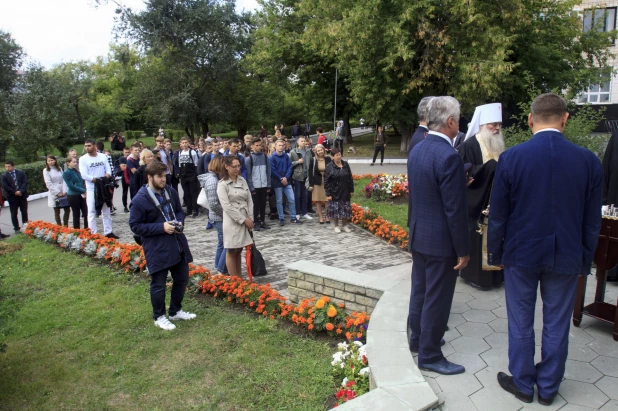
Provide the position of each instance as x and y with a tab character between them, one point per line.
375	223
314	315
350	367
387	186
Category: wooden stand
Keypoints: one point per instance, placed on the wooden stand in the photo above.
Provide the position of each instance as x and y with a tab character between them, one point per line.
605	257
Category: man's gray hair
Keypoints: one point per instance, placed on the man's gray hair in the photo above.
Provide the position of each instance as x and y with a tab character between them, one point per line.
422	108
440	110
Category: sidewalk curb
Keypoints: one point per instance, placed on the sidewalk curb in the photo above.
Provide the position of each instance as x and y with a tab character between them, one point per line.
368	161
31	197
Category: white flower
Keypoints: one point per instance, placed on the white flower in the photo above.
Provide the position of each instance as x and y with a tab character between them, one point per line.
358	343
342	346
364	371
344	382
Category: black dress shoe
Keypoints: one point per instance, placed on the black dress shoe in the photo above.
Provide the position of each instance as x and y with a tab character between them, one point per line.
414	348
546	401
444	367
112	235
507	384
264	226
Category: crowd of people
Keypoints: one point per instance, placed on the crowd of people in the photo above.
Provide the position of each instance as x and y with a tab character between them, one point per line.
543	200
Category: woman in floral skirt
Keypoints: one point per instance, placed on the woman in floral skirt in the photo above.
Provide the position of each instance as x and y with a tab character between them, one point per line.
339	187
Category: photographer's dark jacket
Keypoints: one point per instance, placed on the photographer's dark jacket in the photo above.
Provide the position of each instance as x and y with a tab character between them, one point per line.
161	249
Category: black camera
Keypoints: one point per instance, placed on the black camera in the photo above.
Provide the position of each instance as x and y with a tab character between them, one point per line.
178	228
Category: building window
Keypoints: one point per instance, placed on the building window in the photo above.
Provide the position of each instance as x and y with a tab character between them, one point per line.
600	19
598	93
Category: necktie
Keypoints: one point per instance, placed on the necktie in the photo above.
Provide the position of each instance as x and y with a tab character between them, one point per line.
14	178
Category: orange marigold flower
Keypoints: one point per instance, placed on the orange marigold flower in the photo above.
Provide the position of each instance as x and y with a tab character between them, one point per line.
348	336
339	331
341	305
320	304
326	299
332	311
311	327
330	326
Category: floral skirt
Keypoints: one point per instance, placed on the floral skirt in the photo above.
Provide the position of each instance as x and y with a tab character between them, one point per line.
339	209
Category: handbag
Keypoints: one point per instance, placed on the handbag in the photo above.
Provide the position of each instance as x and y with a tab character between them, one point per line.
62	202
201	199
256	266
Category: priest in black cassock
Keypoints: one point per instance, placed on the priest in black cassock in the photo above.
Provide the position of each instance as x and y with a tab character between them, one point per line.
483	145
610	183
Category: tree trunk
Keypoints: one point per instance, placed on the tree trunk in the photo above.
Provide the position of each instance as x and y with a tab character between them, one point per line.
406	136
204	128
79	120
189	133
347	130
242	131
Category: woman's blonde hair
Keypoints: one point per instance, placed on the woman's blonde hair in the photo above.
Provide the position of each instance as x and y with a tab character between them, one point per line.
316	149
271	148
142	156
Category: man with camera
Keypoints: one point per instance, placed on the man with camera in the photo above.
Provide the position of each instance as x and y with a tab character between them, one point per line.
157	219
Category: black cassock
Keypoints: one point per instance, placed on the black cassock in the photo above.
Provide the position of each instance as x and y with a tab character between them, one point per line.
478	197
610	183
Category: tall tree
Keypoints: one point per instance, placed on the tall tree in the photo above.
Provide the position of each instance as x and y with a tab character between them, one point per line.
11	55
196	46
395	52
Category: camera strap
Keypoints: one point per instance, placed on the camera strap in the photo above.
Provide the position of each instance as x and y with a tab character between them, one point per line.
166	200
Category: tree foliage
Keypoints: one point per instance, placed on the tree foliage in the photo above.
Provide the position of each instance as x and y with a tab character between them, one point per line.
11	55
395	52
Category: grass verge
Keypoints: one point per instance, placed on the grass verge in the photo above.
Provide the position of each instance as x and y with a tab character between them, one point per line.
79	335
395	213
365	147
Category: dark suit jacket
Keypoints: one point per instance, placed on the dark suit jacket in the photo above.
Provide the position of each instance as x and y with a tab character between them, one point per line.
545	211
417	137
10	188
437	180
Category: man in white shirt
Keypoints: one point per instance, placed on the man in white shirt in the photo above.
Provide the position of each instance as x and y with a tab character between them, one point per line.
94	166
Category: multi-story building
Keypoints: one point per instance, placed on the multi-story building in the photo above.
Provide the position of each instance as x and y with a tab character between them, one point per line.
601	15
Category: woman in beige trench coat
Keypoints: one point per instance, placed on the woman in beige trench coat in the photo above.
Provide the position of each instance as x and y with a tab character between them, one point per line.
235	198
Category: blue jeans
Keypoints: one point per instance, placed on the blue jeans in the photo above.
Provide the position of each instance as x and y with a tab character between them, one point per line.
220	254
300	194
558	295
289	193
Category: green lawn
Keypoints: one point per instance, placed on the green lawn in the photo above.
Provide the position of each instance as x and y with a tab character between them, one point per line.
364	146
395	213
79	335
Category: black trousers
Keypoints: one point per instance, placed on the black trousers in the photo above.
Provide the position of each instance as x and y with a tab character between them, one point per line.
259	204
339	145
191	190
19	204
78	205
433	286
378	149
174	182
65	217
180	277
125	193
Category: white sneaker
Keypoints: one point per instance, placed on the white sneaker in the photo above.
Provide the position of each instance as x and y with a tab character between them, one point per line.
297	217
346	229
308	217
165	324
337	230
183	315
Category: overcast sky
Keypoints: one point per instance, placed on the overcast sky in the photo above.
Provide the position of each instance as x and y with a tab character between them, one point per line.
57	31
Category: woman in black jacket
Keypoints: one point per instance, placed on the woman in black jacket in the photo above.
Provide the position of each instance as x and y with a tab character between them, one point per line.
315	179
339	187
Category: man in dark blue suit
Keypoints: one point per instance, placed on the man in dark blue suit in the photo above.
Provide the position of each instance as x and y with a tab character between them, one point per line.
15	185
438	233
544	222
419	134
422	130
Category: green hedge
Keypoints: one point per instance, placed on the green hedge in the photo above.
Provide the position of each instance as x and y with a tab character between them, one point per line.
34	173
